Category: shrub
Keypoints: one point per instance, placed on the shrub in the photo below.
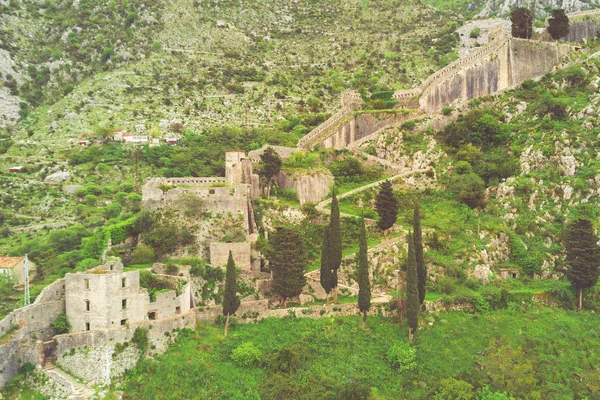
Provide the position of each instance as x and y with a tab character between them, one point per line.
143	255
446	285
447	110
475	32
61	324
468	188
246	354
454	389
402	356
140	339
285	360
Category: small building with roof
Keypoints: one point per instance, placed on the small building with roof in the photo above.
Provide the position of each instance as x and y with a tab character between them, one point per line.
15	268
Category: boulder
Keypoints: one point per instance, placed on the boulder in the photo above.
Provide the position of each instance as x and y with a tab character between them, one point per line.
57	177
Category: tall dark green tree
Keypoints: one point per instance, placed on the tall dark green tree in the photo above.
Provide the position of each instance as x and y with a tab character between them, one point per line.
362	274
583	256
335	242
231	301
386	206
418	239
412	289
287	259
558	24
270	166
326	274
521	22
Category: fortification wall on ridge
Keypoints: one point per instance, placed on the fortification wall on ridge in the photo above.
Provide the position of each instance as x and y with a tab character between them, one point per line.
360	126
531	59
582	24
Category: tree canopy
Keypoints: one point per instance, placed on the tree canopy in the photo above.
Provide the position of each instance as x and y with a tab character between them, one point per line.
270	165
386	206
558	24
364	286
231	301
418	239
582	256
287	259
522	23
412	289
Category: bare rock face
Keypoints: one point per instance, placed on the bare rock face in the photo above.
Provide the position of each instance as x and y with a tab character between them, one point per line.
311	186
58	177
9	104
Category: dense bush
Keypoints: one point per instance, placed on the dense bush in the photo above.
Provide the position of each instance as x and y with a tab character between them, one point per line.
246	354
402	356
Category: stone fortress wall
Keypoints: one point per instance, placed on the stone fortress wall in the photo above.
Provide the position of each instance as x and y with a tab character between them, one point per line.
583	24
505	62
28	327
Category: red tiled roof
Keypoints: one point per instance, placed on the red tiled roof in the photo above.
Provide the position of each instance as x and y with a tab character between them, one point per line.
9	262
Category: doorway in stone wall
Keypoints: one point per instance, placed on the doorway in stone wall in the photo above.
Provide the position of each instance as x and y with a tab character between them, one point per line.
49	352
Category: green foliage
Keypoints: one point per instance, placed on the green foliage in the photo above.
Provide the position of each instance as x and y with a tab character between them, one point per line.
270	164
287	260
155	284
420	260
61	324
529	261
468	188
325	273
335	235
454	389
511	369
143	254
475	33
140	339
402	356
582	255
362	273
231	301
412	288
521	22
386	206
246	354
558	24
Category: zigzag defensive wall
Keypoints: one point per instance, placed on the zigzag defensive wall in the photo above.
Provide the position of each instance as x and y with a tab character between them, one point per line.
504	63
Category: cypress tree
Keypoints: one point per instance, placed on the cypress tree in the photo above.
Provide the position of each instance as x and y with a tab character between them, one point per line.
386	206
326	273
287	259
412	289
558	25
271	165
521	23
418	239
335	242
364	286
583	256
231	301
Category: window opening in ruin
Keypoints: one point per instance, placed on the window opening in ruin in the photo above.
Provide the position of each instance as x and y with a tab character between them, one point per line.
177	310
514	275
152	315
87	305
124	304
87	326
211	191
111	267
123	282
87	283
123	322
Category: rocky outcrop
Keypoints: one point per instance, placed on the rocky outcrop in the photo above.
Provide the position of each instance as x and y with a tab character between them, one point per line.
311	185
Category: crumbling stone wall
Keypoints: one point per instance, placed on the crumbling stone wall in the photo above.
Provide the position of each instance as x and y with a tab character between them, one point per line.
311	186
32	323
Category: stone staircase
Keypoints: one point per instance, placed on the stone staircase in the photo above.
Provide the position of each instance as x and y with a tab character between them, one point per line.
76	390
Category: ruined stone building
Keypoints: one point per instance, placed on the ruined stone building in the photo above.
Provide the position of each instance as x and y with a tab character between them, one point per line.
107	297
227	221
